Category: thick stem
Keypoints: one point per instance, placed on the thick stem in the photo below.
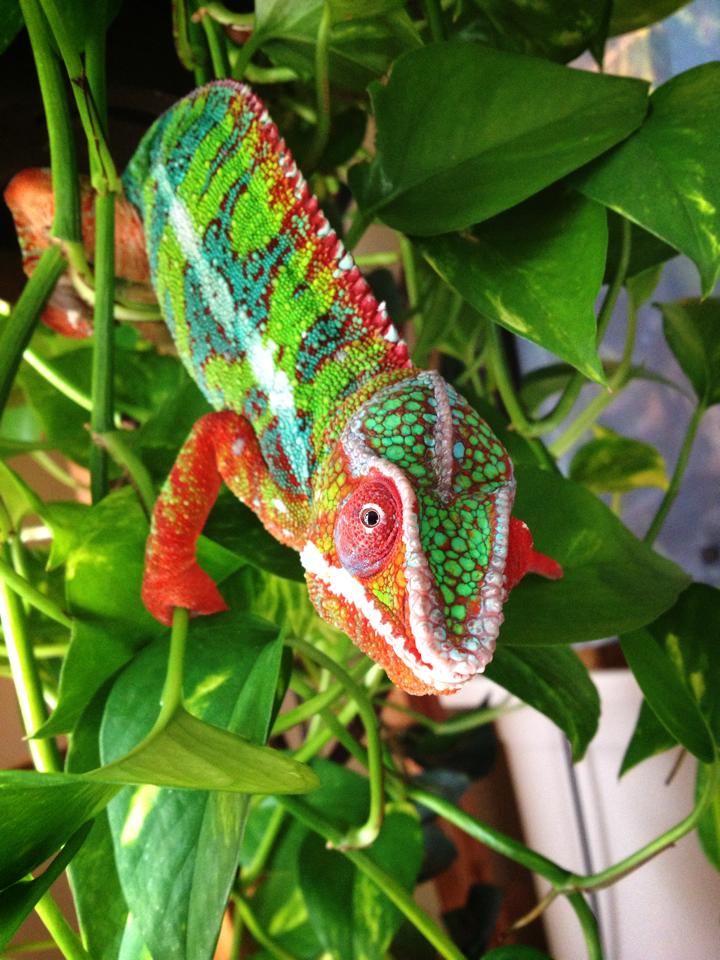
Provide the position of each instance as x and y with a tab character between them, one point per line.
63	161
25	675
503	379
588	924
102	417
171	696
16	332
366	834
216	46
678	473
59	929
433	16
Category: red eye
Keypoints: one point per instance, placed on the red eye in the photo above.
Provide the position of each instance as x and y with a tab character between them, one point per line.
367	527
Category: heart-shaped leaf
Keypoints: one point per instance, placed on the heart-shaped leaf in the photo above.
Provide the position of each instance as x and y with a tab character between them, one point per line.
649	738
664	177
537	270
465	131
610	577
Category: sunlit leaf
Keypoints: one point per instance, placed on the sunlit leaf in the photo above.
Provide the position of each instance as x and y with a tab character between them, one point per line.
611	463
709	824
536	270
464	132
664	177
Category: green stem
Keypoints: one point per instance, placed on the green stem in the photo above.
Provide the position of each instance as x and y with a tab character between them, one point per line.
588	924
63	161
60	930
216	46
366	834
506	389
264	940
459	724
102	414
58	380
252	871
678	473
42	651
25	674
16	332
30	946
433	16
54	470
27	591
308	709
387	884
171	696
129	461
103	175
322	88
248	49
587	417
385	258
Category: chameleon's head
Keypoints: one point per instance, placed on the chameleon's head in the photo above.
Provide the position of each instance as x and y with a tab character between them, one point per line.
409	538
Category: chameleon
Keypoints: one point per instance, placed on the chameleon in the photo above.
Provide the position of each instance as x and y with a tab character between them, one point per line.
394	491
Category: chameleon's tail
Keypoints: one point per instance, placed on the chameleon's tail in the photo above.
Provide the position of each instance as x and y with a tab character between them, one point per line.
30	198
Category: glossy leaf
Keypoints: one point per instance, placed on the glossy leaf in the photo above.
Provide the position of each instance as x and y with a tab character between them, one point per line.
708	827
39	812
554	29
649	738
611	463
676	662
554	681
628	15
664	177
464	132
610	576
187	881
692	330
358	920
97	895
359	50
537	270
19	900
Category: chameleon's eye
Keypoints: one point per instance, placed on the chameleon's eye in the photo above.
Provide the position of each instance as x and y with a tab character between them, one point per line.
367	527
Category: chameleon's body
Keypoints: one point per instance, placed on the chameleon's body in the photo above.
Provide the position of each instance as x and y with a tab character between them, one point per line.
395	492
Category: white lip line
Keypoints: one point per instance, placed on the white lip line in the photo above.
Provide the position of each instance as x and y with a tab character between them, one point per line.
434	663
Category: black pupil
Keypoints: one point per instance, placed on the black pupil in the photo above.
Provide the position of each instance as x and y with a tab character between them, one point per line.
371	518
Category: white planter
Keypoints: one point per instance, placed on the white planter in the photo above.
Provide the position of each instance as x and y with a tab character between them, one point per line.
670	907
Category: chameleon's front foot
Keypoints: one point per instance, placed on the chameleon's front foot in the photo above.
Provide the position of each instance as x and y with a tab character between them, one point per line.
165	587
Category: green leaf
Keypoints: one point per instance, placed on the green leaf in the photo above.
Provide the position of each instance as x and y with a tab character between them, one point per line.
11	23
537	270
628	15
708	827
676	662
358	920
19	900
664	177
179	895
612	581
649	738
554	29
614	464
39	812
554	681
97	895
692	330
464	132
359	50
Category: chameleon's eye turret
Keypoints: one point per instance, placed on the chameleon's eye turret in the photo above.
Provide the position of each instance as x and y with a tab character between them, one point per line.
368	526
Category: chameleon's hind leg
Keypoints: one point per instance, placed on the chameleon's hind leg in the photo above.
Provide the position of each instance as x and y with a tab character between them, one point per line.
29	196
221	447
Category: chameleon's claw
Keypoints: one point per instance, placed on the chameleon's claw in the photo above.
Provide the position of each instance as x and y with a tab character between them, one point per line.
193	589
523	558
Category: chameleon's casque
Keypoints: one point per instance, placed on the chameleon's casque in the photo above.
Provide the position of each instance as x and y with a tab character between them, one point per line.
395	492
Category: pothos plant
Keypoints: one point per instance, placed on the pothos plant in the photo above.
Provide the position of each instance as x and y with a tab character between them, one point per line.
518	190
